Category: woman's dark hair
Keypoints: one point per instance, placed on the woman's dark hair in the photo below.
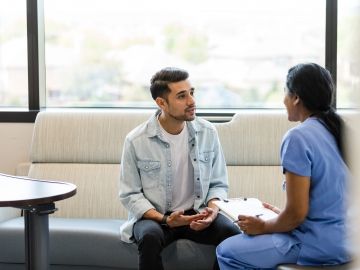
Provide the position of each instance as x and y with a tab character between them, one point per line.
161	79
314	85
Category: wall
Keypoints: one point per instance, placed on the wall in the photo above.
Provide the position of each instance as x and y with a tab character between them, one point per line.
356	185
15	139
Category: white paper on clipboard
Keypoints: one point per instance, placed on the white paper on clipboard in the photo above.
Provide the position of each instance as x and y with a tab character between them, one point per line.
232	208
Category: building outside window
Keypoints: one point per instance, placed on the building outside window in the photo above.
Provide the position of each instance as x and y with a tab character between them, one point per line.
348	62
103	53
13	55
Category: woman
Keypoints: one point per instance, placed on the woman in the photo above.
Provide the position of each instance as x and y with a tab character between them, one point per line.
311	229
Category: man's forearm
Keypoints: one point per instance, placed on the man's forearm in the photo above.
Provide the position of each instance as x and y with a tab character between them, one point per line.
153	215
212	205
219	193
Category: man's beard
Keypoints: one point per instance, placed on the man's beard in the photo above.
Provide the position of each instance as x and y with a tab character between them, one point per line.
183	117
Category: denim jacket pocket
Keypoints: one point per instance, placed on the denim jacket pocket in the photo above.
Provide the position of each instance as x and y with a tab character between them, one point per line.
149	173
206	159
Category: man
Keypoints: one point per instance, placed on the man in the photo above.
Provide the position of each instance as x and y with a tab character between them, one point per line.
172	170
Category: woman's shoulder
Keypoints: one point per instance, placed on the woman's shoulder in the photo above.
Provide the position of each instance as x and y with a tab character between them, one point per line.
295	132
305	134
305	130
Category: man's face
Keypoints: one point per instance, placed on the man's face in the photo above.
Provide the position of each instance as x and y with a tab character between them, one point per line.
180	102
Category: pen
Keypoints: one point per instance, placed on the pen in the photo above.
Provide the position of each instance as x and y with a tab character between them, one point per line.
258	215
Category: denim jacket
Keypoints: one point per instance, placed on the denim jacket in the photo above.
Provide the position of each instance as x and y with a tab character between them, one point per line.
146	175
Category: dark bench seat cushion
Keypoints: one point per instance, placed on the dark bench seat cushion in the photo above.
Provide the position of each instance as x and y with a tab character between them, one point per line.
96	242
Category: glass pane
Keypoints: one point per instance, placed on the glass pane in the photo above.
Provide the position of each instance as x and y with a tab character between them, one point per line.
13	55
348	62
103	53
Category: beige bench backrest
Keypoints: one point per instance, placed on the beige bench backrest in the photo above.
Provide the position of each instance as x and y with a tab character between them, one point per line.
85	148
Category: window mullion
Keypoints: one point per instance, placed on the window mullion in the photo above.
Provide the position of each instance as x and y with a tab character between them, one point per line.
331	40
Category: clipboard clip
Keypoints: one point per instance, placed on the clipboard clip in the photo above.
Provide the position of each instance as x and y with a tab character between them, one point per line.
244	199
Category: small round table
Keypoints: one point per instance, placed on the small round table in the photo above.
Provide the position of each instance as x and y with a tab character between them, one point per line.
36	198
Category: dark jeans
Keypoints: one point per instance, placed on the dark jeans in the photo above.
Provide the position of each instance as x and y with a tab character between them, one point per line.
152	238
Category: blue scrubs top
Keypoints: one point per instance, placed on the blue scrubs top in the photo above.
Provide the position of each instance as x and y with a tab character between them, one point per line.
310	150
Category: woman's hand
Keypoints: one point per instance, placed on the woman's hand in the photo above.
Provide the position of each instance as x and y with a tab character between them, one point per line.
251	225
271	207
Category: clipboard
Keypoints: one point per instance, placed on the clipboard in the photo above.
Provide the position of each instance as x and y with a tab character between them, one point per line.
234	207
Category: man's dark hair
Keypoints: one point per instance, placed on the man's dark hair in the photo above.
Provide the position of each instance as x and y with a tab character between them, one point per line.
161	79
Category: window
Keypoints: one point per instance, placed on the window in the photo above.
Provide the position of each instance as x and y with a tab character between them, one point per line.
13	55
103	53
348	62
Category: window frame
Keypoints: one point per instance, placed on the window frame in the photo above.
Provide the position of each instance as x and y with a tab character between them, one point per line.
36	64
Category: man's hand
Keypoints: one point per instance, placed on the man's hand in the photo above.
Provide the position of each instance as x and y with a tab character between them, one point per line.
210	215
177	219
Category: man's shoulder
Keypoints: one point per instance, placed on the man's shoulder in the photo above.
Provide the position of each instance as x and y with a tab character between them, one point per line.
202	124
139	131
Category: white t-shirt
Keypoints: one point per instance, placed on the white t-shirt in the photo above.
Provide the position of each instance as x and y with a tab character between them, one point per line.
182	170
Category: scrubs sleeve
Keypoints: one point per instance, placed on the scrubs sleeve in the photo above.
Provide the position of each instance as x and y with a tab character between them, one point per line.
296	154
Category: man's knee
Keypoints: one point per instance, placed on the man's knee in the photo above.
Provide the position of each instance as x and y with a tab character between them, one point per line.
151	237
230	230
225	228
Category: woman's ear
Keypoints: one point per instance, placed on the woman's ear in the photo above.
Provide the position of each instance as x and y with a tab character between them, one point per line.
296	100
